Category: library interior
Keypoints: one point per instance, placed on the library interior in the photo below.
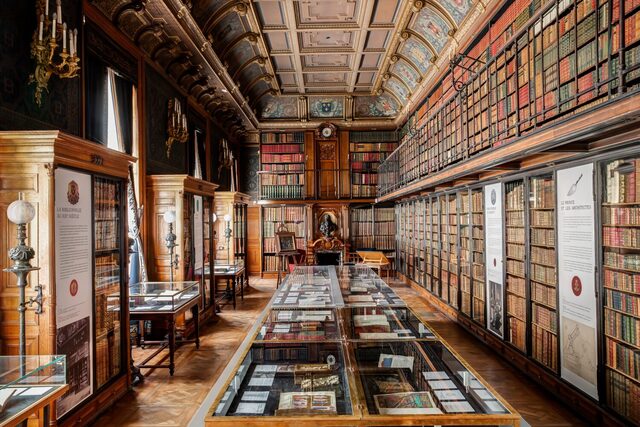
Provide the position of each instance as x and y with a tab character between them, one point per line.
320	213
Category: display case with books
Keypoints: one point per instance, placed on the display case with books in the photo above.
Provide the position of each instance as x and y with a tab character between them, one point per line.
543	287
477	255
428	249
464	203
443	221
384	323
373	227
452	250
621	284
309	287
361	287
339	372
162	296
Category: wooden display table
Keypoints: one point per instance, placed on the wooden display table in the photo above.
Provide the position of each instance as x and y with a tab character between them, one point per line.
234	274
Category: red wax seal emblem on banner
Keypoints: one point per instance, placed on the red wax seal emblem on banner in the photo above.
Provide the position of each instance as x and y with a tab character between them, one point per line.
576	286
73	288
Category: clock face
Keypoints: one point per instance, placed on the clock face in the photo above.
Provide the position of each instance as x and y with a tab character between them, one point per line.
326	132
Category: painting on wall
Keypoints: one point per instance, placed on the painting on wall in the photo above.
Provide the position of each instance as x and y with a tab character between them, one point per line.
398	88
283	107
418	54
433	27
376	106
326	107
406	72
458	9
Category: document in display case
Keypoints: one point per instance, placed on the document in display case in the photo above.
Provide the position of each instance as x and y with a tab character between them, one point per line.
340	363
162	296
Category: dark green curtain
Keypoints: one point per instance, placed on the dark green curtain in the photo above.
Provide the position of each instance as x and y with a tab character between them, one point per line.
124	102
96	101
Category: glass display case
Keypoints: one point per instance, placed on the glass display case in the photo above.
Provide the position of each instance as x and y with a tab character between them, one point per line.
162	296
28	381
361	286
339	364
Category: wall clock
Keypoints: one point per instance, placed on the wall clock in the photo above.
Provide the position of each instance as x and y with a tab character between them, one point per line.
326	131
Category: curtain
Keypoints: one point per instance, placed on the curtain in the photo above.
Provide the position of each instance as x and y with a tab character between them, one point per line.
97	100
122	94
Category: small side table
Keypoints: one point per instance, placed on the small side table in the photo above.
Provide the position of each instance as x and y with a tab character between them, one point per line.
234	274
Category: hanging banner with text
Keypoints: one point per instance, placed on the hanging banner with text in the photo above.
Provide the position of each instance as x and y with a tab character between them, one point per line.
576	277
198	236
74	284
493	257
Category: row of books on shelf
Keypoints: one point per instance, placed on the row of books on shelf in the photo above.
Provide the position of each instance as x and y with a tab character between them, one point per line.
544	346
626	237
108	357
282	158
364	178
380	243
365	147
623	358
623	301
543	236
622	327
278	179
283	167
543	274
286	214
621	215
363	190
373	136
543	294
623	395
368	157
369	228
622	280
107	234
282	191
282	149
623	186
290	137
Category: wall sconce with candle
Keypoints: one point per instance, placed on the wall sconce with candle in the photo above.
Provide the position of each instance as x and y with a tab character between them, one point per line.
176	125
51	34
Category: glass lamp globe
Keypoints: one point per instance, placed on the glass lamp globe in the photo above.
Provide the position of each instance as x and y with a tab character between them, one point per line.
214	217
21	211
170	216
227	217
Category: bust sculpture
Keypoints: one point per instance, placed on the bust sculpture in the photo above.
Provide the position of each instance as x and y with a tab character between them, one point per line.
327	226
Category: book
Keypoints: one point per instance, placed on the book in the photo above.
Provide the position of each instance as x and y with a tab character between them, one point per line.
411	403
307	403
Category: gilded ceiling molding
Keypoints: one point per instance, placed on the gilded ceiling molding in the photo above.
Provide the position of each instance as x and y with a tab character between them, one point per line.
250	37
348	108
260	60
364	123
400	56
444	14
255	26
262	77
303	108
239	6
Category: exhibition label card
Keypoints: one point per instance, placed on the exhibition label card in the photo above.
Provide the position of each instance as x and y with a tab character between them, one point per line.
454	407
448	395
442	385
250	408
255	396
435	375
395	361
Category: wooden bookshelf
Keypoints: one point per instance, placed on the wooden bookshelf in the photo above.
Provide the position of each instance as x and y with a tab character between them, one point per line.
282	165
466	253
444	247
436	246
452	250
516	273
546	62
428	246
294	219
477	255
418	242
621	285
373	228
543	287
366	151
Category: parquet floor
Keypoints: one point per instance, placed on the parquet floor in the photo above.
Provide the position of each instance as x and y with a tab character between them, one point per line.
162	400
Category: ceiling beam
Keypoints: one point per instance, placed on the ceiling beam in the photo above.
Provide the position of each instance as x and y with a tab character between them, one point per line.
290	14
365	19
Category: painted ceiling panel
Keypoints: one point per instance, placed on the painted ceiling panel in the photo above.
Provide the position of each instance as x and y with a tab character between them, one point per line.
278	42
329	39
327	11
398	89
385	12
406	72
458	9
271	13
417	53
326	107
376	106
432	26
377	39
282	107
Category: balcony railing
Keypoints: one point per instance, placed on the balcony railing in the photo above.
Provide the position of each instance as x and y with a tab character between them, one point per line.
557	65
325	184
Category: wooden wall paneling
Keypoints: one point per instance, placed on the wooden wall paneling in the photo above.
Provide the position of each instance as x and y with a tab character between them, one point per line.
254	239
345	176
310	165
327	158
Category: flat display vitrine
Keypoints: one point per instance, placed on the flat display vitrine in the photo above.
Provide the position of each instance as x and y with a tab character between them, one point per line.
192	200
79	236
340	363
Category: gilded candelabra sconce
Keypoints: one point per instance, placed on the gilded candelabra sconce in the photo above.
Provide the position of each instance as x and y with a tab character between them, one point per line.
176	125
51	34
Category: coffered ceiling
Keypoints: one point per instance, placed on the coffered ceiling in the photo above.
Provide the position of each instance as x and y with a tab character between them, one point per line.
283	62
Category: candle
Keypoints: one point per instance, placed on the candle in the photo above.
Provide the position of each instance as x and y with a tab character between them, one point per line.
184	121
59	11
41	28
75	40
173	121
64	37
72	49
53	28
46	7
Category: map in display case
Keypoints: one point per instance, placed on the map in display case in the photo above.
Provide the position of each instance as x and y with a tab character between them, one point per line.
342	366
299	325
26	381
288	380
417	378
376	323
309	287
162	296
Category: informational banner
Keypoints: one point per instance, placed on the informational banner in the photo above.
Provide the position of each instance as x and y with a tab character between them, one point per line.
74	283
494	259
576	277
198	226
